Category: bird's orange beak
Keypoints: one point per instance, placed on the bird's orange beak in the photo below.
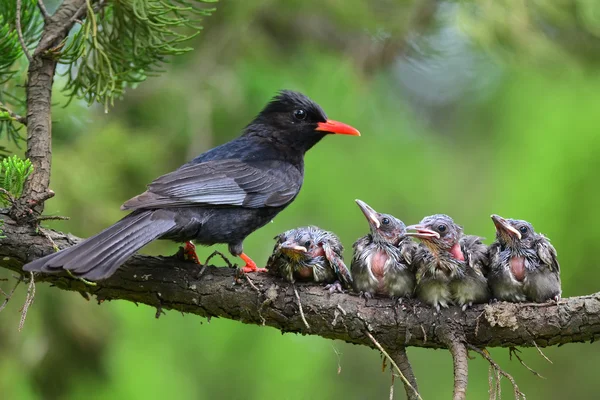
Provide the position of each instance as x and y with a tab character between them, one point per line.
331	126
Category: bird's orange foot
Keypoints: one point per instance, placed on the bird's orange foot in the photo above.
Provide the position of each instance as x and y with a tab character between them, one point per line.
189	252
250	265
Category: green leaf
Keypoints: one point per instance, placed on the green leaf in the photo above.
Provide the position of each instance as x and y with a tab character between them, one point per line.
13	173
125	43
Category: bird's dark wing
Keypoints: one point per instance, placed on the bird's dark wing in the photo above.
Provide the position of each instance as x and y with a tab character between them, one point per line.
547	253
222	182
337	263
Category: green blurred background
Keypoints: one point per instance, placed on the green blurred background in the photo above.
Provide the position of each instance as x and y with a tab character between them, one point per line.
466	109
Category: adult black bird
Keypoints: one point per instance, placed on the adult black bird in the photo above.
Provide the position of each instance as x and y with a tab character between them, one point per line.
523	263
382	259
310	254
450	265
220	196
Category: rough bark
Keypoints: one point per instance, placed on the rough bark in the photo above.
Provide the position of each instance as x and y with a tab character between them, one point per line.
42	68
168	283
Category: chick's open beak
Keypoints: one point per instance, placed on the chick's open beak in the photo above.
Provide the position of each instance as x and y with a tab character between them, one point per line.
292	247
503	225
372	215
422	232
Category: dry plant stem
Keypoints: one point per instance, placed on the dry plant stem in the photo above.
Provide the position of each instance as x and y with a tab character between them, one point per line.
391	360
20	31
392	386
401	359
9	295
456	344
541	352
499	371
300	307
40	76
28	300
514	351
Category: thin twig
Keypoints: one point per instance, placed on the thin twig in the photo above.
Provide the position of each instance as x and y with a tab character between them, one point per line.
28	300
43	9
338	355
253	285
9	295
14	116
514	351
300	307
391	360
20	31
218	253
52	218
11	199
541	352
484	354
45	234
392	386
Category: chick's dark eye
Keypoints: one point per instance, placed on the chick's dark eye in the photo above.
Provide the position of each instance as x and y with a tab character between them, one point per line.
385	221
300	114
307	244
442	228
523	229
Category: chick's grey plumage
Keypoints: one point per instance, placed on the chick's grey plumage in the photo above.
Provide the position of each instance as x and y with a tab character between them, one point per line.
523	263
472	287
450	265
382	260
309	254
220	196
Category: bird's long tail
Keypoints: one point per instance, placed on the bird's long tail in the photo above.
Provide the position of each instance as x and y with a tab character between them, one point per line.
99	256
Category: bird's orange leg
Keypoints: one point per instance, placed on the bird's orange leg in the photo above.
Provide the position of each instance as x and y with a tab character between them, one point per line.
250	265
190	252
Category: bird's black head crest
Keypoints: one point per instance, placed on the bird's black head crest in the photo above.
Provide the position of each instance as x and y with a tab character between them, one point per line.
294	121
288	101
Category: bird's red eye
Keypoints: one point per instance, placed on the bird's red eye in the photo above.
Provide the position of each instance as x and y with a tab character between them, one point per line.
300	114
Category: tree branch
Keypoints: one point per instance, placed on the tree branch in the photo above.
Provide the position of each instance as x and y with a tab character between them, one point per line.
455	340
173	284
16	117
42	68
20	31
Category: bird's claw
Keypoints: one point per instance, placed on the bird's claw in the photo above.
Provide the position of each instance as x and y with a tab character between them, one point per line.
252	268
335	287
189	252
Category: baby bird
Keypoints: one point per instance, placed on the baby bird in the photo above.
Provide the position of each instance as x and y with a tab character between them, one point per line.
523	264
310	254
382	259
450	265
